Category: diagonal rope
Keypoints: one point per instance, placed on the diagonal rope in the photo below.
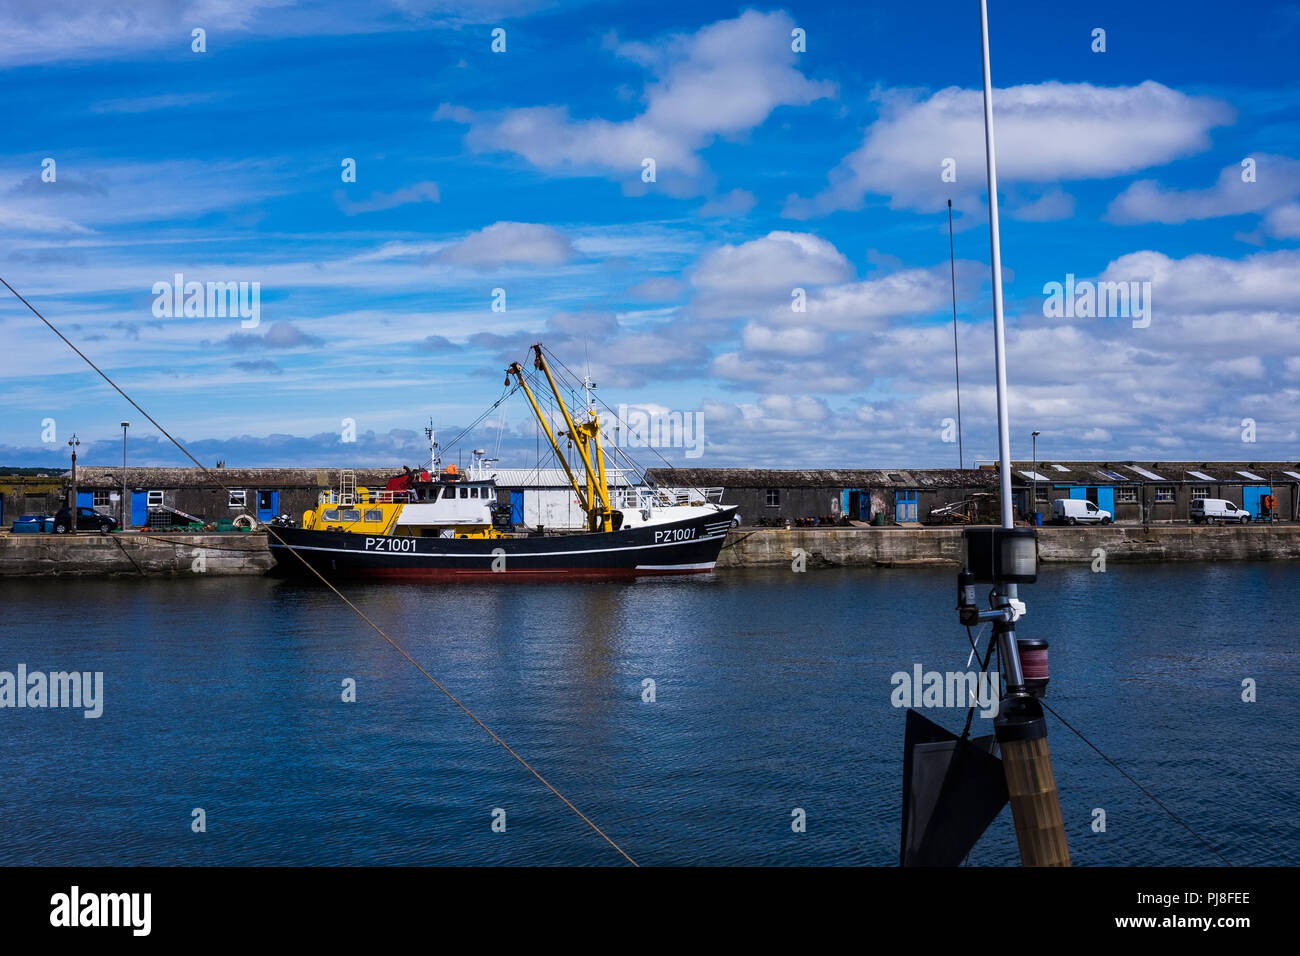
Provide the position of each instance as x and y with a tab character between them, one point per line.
1150	796
375	627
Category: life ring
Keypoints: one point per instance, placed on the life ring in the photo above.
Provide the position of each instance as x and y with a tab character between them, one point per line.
244	523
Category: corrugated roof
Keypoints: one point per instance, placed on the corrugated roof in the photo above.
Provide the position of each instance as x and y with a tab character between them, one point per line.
100	477
552	477
826	477
1224	472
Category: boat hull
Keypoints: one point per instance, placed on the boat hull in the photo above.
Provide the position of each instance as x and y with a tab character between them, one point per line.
690	546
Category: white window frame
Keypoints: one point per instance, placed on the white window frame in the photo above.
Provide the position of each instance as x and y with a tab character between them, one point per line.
1164	495
101	499
238	498
1201	491
1126	496
154	499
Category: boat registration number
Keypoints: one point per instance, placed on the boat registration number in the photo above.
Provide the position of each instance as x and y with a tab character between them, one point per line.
675	534
390	544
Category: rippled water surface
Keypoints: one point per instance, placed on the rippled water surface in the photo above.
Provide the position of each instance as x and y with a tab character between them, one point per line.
773	692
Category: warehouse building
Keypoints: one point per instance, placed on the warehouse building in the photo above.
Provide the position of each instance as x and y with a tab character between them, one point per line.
836	495
162	496
1157	491
1134	492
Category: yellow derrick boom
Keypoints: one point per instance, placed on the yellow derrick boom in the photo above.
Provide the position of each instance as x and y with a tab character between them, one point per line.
585	436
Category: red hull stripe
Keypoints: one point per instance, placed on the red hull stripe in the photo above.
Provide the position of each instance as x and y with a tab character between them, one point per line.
452	574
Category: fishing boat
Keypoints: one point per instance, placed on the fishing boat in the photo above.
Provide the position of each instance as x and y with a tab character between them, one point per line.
440	524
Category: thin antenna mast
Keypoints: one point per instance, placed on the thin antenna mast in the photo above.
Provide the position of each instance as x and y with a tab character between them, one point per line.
952	261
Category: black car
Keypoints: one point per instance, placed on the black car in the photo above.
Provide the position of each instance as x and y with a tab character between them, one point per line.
88	519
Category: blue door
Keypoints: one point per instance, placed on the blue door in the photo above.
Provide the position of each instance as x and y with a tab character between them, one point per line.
85	499
1106	500
1079	493
516	507
1250	496
905	506
267	503
139	508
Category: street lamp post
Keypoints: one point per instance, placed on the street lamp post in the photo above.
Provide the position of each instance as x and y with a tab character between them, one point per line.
1033	503
73	443
122	523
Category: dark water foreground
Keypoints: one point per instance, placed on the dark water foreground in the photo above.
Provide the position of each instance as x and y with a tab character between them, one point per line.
773	693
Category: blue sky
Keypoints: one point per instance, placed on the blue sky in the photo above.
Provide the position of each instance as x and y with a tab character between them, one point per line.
522	170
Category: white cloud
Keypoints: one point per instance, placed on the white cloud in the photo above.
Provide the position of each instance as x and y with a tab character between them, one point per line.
509	243
792	340
1211	285
419	192
149	104
1284	221
721	81
656	289
55	30
1046	133
1052	205
1277	179
736	279
735	203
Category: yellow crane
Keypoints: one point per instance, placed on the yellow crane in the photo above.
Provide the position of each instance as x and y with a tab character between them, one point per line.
585	436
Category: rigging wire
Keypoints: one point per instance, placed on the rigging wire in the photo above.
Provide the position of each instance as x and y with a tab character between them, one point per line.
640	471
1150	796
294	551
970	714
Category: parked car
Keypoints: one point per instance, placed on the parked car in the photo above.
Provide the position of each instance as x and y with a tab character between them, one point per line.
1213	510
88	519
32	524
1079	511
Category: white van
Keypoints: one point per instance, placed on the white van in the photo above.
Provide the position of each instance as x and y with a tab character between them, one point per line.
1212	510
1079	511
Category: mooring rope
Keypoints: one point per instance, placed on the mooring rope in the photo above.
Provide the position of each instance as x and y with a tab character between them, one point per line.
375	627
1150	796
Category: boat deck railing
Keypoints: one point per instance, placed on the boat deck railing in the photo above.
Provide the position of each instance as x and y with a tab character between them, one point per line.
634	499
365	497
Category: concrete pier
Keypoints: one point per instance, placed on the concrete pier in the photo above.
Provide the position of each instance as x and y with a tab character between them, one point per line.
47	554
941	547
135	554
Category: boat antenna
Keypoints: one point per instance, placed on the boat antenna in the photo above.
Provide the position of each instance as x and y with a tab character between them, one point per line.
434	463
952	264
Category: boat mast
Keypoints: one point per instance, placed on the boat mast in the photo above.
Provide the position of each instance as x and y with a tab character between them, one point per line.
586	437
435	464
1020	727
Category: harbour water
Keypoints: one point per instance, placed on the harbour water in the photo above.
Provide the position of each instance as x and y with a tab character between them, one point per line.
772	692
